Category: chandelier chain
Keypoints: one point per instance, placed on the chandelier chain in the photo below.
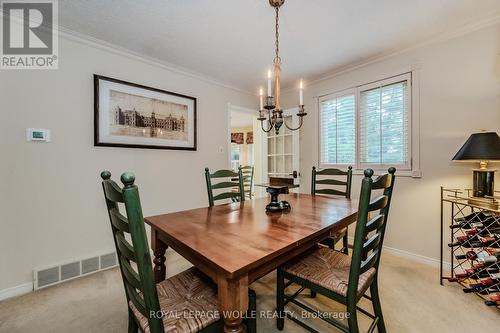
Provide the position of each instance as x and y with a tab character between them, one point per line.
277	58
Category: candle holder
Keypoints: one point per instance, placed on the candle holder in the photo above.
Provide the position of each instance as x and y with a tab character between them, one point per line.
269	103
302	112
261	115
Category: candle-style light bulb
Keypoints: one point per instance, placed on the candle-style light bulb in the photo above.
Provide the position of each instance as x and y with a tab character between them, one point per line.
269	84
261	98
301	93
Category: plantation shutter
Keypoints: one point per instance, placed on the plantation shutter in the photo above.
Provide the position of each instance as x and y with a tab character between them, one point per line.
384	124
338	129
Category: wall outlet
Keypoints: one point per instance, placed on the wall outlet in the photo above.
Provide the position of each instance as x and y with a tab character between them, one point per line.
37	134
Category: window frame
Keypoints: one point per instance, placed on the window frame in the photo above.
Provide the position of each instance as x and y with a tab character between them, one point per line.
412	167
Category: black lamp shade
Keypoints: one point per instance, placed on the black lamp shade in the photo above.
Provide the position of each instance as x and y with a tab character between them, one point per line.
480	147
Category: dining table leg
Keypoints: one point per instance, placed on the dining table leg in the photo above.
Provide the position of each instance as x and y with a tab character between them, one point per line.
233	302
159	248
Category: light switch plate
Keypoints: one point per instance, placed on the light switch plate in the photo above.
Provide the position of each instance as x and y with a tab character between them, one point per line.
37	134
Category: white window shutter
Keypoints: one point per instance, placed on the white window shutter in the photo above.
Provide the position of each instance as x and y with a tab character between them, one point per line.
338	130
384	126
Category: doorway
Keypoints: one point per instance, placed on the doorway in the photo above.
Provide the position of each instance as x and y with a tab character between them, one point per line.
245	143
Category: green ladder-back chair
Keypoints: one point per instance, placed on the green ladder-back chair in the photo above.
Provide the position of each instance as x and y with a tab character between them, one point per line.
345	191
190	288
247	172
238	195
338	276
144	297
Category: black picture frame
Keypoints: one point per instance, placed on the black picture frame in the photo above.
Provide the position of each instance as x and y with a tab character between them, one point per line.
98	140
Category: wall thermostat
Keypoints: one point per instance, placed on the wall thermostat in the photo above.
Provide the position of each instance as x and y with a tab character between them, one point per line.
37	134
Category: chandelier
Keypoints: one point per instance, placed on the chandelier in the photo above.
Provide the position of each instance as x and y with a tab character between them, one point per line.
272	107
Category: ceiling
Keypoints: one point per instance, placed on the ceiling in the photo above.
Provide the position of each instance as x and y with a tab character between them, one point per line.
232	41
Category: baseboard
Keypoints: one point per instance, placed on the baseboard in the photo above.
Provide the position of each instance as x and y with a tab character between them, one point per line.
16	291
415	257
411	256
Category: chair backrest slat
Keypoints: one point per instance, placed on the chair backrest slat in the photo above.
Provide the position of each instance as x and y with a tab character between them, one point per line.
112	192
345	185
330	191
369	235
381	182
369	262
371	243
140	287
236	192
130	274
126	250
224	174
119	221
136	299
331	182
332	172
225	185
375	223
378	203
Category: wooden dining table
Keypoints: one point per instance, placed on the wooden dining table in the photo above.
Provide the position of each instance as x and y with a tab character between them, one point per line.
237	243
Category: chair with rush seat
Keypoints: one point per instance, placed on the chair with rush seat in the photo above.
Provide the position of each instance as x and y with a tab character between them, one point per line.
177	297
345	192
234	195
338	276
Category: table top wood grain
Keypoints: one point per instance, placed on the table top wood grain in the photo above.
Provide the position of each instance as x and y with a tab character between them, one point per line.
239	237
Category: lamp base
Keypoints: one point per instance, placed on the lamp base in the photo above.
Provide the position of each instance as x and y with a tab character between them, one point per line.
483	182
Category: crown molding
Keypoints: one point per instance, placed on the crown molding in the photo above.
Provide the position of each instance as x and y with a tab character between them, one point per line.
122	51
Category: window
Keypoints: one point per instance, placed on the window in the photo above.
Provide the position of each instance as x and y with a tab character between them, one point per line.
368	126
338	129
235	156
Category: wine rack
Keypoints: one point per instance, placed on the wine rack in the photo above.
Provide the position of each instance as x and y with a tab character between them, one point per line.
474	243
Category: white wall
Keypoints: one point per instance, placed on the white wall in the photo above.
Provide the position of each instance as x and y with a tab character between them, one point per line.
459	94
52	206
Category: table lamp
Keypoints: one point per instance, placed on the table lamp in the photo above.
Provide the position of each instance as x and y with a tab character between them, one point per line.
481	147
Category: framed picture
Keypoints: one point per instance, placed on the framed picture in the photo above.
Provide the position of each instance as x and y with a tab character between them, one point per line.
134	116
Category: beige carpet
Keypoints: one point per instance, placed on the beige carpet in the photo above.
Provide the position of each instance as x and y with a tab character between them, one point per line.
412	300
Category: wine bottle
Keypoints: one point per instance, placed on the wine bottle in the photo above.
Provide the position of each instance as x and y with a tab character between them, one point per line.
495	297
482	291
467	244
484	283
473	217
490	240
483	231
494	300
477	273
472	255
475	223
463	280
488	260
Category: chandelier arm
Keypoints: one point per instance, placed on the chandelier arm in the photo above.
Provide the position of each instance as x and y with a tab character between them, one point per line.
270	126
296	128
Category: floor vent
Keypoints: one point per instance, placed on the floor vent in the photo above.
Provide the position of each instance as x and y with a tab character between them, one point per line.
56	274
